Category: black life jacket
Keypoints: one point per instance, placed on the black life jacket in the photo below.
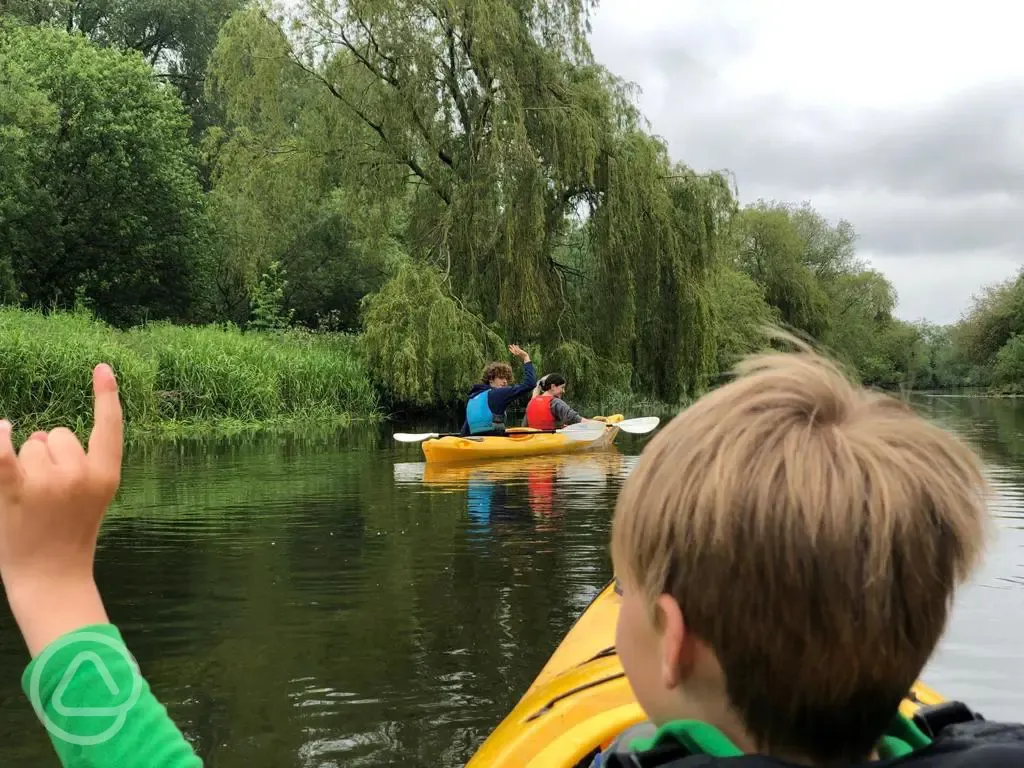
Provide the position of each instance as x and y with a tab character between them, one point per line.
960	737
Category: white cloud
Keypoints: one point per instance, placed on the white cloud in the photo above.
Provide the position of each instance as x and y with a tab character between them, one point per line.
904	118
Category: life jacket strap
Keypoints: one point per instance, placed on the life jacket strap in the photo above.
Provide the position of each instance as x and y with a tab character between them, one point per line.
932	719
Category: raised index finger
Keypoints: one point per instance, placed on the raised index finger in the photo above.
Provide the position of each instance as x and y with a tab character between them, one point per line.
11	472
107	437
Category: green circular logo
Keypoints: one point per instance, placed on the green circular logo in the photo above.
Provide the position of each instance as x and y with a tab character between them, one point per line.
118	713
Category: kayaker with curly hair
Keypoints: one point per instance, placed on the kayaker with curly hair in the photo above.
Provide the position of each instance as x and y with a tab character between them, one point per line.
488	399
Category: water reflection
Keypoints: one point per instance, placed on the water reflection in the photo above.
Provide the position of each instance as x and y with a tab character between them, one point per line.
979	658
331	600
553	485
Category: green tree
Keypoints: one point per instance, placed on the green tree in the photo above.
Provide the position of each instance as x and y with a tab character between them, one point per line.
983	348
278	199
421	344
829	251
28	124
946	366
113	209
174	36
492	127
898	358
996	315
1008	365
860	315
269	310
741	314
772	250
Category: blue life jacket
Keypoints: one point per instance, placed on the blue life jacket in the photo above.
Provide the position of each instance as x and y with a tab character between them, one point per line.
479	496
479	415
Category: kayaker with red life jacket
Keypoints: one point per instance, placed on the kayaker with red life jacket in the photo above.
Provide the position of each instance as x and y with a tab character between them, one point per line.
485	411
547	410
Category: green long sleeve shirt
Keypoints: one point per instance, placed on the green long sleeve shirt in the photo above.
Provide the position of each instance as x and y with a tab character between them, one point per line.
88	692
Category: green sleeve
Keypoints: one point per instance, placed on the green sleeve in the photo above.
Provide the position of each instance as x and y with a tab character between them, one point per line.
87	690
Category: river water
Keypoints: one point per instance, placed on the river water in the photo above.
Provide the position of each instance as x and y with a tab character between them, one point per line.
330	601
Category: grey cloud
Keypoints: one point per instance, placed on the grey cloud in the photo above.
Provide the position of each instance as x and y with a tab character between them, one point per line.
936	225
971	143
941	291
948	179
936	194
698	49
689	55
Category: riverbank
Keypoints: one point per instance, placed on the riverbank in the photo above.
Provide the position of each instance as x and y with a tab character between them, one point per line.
178	379
191	380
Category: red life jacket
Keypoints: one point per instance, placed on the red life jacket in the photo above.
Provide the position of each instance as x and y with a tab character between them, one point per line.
538	413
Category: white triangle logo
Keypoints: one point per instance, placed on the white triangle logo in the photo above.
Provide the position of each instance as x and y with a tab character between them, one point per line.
69	675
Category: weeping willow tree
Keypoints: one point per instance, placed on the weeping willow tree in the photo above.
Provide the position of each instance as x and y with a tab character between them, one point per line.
420	342
658	236
493	126
770	249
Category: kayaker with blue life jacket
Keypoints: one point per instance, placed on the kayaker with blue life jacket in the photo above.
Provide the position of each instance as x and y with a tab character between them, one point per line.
547	410
488	400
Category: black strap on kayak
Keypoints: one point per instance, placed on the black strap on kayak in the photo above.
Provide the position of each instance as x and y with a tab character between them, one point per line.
602	654
592	684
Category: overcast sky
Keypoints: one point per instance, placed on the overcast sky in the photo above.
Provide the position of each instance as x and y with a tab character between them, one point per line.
905	118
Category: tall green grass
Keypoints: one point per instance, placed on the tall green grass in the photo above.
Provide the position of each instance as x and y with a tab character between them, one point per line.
176	378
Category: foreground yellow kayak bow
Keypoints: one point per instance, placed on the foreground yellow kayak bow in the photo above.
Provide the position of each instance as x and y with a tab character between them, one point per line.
581	700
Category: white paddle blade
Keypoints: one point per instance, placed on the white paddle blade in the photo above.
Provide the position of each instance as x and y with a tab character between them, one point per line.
639	426
583	432
409	472
405	437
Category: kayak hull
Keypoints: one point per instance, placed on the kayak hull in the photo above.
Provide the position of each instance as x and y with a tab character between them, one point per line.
518	441
581	700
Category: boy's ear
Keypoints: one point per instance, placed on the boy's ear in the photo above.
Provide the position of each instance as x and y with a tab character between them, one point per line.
676	645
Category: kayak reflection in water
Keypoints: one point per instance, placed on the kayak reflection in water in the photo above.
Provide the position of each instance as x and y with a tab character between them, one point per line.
489	500
495	489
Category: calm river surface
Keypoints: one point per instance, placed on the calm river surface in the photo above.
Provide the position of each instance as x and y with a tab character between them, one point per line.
330	602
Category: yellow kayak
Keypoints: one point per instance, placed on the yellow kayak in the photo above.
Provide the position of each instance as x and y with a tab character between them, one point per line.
518	441
581	700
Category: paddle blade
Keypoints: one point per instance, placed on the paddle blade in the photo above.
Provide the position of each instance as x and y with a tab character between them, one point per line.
405	437
639	426
583	432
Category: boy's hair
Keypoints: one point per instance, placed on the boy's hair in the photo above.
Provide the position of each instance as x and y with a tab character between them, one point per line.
497	371
813	533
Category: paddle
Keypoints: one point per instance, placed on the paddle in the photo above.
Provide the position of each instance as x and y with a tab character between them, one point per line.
419	437
582	432
640	426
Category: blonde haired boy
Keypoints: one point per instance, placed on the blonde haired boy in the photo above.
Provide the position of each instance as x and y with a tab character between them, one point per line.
787	550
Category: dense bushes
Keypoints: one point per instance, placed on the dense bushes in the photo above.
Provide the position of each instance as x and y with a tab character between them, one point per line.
174	375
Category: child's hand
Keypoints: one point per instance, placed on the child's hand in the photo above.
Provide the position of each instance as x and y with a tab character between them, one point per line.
52	498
